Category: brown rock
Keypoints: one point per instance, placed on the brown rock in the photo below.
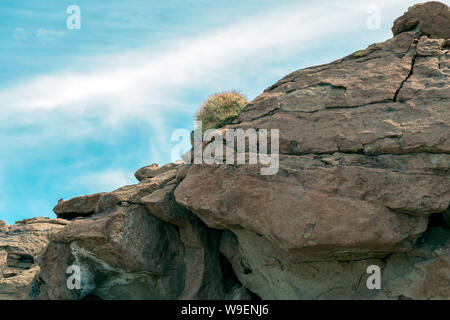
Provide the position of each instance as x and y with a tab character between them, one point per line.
364	162
386	103
203	269
430	19
272	273
20	244
77	207
124	253
324	208
146	172
3	259
140	244
154	170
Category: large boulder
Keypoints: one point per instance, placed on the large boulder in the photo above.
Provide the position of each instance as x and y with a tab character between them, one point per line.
364	163
430	19
77	207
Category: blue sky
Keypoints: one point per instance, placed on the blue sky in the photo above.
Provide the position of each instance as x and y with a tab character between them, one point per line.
82	110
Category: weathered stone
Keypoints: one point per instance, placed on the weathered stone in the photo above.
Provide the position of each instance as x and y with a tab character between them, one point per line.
20	244
272	273
77	207
3	259
154	170
335	207
203	270
123	253
133	193
140	244
146	172
364	162
431	19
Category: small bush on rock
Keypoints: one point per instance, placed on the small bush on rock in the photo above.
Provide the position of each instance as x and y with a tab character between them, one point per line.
221	109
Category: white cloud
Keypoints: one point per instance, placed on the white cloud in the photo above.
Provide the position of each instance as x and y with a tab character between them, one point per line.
105	181
147	84
147	77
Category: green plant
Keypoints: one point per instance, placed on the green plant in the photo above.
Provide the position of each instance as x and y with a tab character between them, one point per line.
221	109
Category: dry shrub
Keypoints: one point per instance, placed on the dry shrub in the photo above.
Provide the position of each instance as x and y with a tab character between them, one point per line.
221	109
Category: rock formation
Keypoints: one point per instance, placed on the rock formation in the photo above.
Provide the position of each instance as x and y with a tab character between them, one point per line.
19	246
77	207
363	180
138	244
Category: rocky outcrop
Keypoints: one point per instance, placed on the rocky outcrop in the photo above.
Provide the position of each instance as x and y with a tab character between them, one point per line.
153	170
77	207
363	181
20	244
364	164
429	20
138	244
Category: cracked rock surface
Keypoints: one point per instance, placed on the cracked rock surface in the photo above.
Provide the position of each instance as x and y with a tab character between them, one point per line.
364	168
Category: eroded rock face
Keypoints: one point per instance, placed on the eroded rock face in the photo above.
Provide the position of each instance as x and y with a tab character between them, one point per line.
364	163
20	244
359	174
139	244
124	252
261	266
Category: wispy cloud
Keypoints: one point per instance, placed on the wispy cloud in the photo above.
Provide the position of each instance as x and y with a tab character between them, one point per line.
146	80
108	180
149	83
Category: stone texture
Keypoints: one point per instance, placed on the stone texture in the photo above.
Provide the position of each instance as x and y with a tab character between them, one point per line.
429	19
20	244
203	269
273	273
77	207
324	209
154	170
364	164
125	253
139	244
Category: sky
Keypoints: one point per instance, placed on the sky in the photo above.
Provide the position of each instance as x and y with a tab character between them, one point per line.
82	109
